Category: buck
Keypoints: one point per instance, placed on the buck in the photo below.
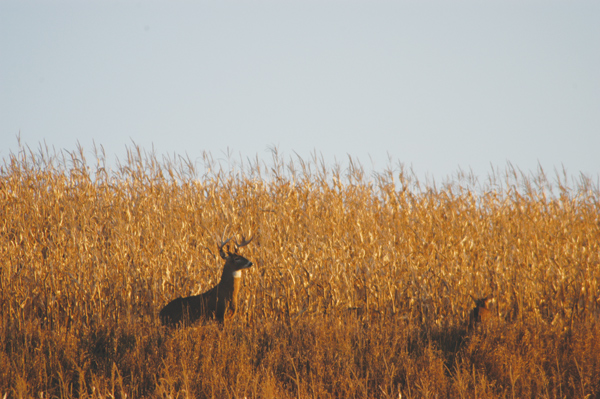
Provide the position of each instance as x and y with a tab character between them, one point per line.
481	312
220	302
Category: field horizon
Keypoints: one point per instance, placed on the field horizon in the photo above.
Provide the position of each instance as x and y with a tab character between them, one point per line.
362	285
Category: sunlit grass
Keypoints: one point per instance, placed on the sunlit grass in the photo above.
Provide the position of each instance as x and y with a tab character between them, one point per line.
362	284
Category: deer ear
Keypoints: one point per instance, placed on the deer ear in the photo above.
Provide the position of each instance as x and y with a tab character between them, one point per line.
222	253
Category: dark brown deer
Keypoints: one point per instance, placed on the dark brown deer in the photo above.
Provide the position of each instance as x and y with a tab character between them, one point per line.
220	302
481	313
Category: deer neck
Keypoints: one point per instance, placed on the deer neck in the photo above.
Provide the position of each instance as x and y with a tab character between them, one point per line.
232	281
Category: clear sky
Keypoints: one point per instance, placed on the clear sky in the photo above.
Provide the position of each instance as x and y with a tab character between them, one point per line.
436	85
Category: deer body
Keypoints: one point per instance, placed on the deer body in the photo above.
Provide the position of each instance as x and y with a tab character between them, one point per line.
220	302
481	312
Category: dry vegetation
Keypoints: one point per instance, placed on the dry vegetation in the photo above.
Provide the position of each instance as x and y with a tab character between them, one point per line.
361	287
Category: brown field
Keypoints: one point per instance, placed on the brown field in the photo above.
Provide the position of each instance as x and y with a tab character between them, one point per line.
361	286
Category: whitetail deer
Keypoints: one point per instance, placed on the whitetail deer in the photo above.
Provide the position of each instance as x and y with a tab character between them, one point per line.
481	313
219	302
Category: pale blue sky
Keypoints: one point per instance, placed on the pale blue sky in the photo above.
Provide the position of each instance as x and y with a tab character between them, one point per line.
436	85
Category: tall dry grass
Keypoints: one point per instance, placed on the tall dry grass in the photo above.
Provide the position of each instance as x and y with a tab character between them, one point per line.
361	287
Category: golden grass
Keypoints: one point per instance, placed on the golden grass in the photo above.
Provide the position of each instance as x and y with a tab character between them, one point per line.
361	287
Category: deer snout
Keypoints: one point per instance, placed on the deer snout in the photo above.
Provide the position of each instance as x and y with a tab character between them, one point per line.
245	265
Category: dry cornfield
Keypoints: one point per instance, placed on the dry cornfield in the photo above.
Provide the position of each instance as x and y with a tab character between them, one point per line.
362	286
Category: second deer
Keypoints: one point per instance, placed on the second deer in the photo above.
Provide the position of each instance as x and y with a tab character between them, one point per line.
219	302
481	312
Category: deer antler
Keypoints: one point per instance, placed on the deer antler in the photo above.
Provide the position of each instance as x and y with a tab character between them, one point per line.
243	243
223	243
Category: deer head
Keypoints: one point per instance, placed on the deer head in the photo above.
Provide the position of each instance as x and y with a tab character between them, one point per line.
234	263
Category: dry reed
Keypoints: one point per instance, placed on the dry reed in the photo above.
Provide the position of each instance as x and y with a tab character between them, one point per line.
362	285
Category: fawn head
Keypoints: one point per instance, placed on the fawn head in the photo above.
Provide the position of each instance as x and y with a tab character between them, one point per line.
483	303
481	313
234	263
